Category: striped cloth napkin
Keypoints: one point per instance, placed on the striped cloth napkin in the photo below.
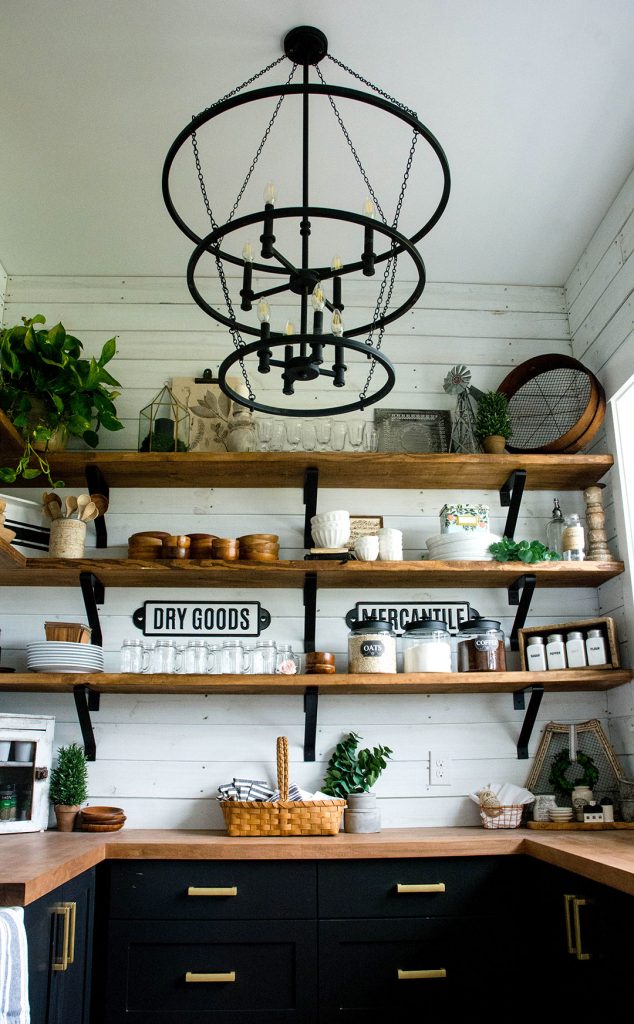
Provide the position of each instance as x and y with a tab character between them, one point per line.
14	969
255	789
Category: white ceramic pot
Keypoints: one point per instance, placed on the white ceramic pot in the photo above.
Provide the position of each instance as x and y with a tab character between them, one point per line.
367	549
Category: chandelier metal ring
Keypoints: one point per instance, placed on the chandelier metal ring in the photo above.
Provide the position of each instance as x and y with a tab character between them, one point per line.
300	90
206	245
342	344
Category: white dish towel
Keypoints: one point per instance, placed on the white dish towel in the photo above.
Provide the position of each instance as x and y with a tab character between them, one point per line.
14	969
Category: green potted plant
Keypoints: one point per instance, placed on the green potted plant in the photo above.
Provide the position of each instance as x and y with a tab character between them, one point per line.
69	785
49	391
350	775
493	424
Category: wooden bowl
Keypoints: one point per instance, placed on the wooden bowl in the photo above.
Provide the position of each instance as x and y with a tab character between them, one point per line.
148	535
258	538
202	536
102	814
259	556
319	658
319	670
180	540
86	826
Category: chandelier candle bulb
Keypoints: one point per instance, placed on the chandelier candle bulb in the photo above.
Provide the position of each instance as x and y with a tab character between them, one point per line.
246	292
336	283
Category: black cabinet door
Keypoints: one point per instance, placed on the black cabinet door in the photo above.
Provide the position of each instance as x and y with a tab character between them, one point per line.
59	934
211	972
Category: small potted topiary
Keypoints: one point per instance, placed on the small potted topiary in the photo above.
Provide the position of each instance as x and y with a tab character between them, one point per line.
493	424
69	785
350	775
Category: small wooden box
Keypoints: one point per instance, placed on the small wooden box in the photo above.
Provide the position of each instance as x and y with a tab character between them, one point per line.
605	624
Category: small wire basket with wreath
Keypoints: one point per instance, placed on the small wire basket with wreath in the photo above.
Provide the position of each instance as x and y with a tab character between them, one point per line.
282	817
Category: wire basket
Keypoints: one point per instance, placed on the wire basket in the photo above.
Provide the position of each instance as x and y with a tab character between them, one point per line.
509	816
282	817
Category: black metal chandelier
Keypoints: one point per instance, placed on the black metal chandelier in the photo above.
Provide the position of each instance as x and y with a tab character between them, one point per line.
315	353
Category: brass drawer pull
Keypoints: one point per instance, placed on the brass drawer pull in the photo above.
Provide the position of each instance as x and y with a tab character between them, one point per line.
227	976
576	903
423	887
71	928
440	972
568	899
197	890
60	963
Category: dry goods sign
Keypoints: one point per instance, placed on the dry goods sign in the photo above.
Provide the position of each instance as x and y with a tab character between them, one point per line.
201	618
407	613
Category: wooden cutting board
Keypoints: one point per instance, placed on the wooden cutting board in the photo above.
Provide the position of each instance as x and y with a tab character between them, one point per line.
596	825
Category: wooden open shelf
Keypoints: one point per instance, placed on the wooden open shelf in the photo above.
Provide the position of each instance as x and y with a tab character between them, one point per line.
565	681
17	570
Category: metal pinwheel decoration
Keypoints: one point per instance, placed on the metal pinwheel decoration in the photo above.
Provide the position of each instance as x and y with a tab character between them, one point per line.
458	382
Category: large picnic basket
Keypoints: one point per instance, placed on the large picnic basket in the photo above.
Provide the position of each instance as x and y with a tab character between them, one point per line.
282	817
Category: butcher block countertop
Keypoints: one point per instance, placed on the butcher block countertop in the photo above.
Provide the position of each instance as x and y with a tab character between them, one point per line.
32	865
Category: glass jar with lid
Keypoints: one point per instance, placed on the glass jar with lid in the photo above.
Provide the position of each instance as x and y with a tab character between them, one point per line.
371	647
426	646
480	646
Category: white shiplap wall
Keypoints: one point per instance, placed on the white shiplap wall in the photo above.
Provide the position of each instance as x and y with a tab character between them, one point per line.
162	758
599	294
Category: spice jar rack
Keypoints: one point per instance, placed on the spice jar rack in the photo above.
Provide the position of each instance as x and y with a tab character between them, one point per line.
605	624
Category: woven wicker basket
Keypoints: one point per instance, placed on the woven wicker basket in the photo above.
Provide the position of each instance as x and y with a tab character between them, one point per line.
282	817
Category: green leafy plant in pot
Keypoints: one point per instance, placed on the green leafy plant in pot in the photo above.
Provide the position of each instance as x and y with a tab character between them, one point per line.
69	785
493	423
350	775
49	390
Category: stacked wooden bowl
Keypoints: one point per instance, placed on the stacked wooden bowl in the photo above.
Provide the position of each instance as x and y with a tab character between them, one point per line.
146	546
259	547
319	663
101	819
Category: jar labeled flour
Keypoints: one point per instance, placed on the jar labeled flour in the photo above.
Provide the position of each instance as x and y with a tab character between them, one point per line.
371	647
427	647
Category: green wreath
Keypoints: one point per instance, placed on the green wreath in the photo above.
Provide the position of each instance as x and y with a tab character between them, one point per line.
559	768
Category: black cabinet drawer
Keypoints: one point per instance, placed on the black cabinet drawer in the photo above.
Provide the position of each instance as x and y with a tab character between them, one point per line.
212	890
385	970
172	972
383	888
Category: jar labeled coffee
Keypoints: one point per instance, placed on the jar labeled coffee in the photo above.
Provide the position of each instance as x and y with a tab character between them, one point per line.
480	646
371	647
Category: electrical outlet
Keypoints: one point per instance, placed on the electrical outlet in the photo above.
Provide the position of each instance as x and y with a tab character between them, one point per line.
439	769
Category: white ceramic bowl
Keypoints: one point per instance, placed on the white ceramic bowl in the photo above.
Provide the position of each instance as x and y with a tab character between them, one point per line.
330	517
332	535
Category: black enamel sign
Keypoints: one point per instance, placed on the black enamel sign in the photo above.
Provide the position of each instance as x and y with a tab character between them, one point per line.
201	618
406	613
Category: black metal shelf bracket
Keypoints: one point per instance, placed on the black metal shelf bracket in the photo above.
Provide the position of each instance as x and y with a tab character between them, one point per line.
93	593
511	497
521	594
86	700
312	693
97	485
311	487
537	692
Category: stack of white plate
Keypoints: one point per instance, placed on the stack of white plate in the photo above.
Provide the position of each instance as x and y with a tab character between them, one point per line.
461	546
59	656
560	815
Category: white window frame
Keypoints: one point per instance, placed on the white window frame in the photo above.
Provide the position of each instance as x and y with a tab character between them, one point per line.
620	428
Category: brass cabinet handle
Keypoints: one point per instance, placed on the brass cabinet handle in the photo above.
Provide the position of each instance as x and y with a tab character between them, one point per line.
439	972
60	963
576	903
72	924
423	887
201	890
568	899
227	976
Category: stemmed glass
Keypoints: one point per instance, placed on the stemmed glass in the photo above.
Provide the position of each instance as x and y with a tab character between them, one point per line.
293	434
370	438
309	437
339	433
323	429
264	431
277	436
355	433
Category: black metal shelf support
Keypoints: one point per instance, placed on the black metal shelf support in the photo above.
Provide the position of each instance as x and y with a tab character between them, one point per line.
311	696
511	497
537	692
521	594
93	593
97	485
86	700
311	487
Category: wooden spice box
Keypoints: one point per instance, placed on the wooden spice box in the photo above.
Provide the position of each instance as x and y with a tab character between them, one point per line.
605	624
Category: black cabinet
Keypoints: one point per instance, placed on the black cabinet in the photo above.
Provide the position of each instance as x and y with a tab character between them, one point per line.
60	941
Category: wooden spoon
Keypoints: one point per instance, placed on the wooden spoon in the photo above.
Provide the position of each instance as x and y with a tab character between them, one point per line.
53	509
101	502
89	511
82	501
70	505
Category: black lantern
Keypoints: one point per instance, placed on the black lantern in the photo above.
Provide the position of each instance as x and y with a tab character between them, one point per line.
315	351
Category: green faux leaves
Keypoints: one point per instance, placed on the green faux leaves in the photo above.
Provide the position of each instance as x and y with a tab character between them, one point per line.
352	772
508	550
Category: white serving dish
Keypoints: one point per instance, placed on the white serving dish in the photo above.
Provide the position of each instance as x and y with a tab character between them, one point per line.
332	535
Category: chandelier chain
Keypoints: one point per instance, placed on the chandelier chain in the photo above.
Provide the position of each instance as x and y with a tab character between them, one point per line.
370	85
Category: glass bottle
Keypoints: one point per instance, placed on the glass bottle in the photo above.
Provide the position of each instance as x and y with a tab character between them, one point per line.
555	529
573	539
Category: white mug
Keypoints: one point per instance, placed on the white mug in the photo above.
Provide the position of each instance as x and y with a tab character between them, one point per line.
367	549
390	544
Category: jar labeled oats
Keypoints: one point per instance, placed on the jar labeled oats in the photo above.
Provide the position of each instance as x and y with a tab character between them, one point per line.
371	647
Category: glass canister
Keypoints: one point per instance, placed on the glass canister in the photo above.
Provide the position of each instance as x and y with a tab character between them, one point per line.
426	647
371	647
480	646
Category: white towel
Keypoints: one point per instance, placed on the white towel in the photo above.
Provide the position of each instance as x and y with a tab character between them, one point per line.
14	968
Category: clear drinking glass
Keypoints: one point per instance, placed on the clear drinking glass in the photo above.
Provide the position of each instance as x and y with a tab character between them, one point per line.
293	434
323	430
165	657
134	656
339	434
370	438
264	432
278	436
355	433
196	658
263	658
234	660
309	437
214	658
287	662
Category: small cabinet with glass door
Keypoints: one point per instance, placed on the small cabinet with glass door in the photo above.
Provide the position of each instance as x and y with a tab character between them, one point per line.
26	746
